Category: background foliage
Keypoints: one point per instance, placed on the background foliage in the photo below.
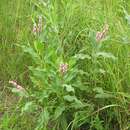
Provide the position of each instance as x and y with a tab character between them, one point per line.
92	93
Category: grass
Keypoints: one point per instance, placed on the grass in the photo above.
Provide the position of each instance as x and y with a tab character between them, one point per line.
94	92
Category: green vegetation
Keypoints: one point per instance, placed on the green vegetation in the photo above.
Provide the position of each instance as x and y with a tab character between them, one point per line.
65	65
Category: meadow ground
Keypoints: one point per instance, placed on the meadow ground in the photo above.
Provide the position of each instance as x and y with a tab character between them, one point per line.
68	63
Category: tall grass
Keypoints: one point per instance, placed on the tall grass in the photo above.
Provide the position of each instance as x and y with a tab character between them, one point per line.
70	80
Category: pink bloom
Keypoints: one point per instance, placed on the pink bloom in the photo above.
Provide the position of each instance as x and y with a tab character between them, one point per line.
39	27
98	36
102	34
14	83
34	29
63	68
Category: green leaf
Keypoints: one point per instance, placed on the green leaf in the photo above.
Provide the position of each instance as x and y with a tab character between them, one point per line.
31	51
101	94
81	72
63	122
45	116
21	93
59	110
43	119
97	123
69	98
104	95
102	71
106	55
72	62
127	16
98	90
82	56
69	88
92	36
77	104
29	107
39	47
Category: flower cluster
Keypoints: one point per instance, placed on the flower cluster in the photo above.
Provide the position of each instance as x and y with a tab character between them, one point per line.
18	87
102	34
63	68
37	28
34	29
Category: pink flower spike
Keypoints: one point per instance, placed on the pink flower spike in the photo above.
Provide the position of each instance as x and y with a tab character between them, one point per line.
16	85
34	29
39	27
63	68
98	36
102	34
13	82
19	87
